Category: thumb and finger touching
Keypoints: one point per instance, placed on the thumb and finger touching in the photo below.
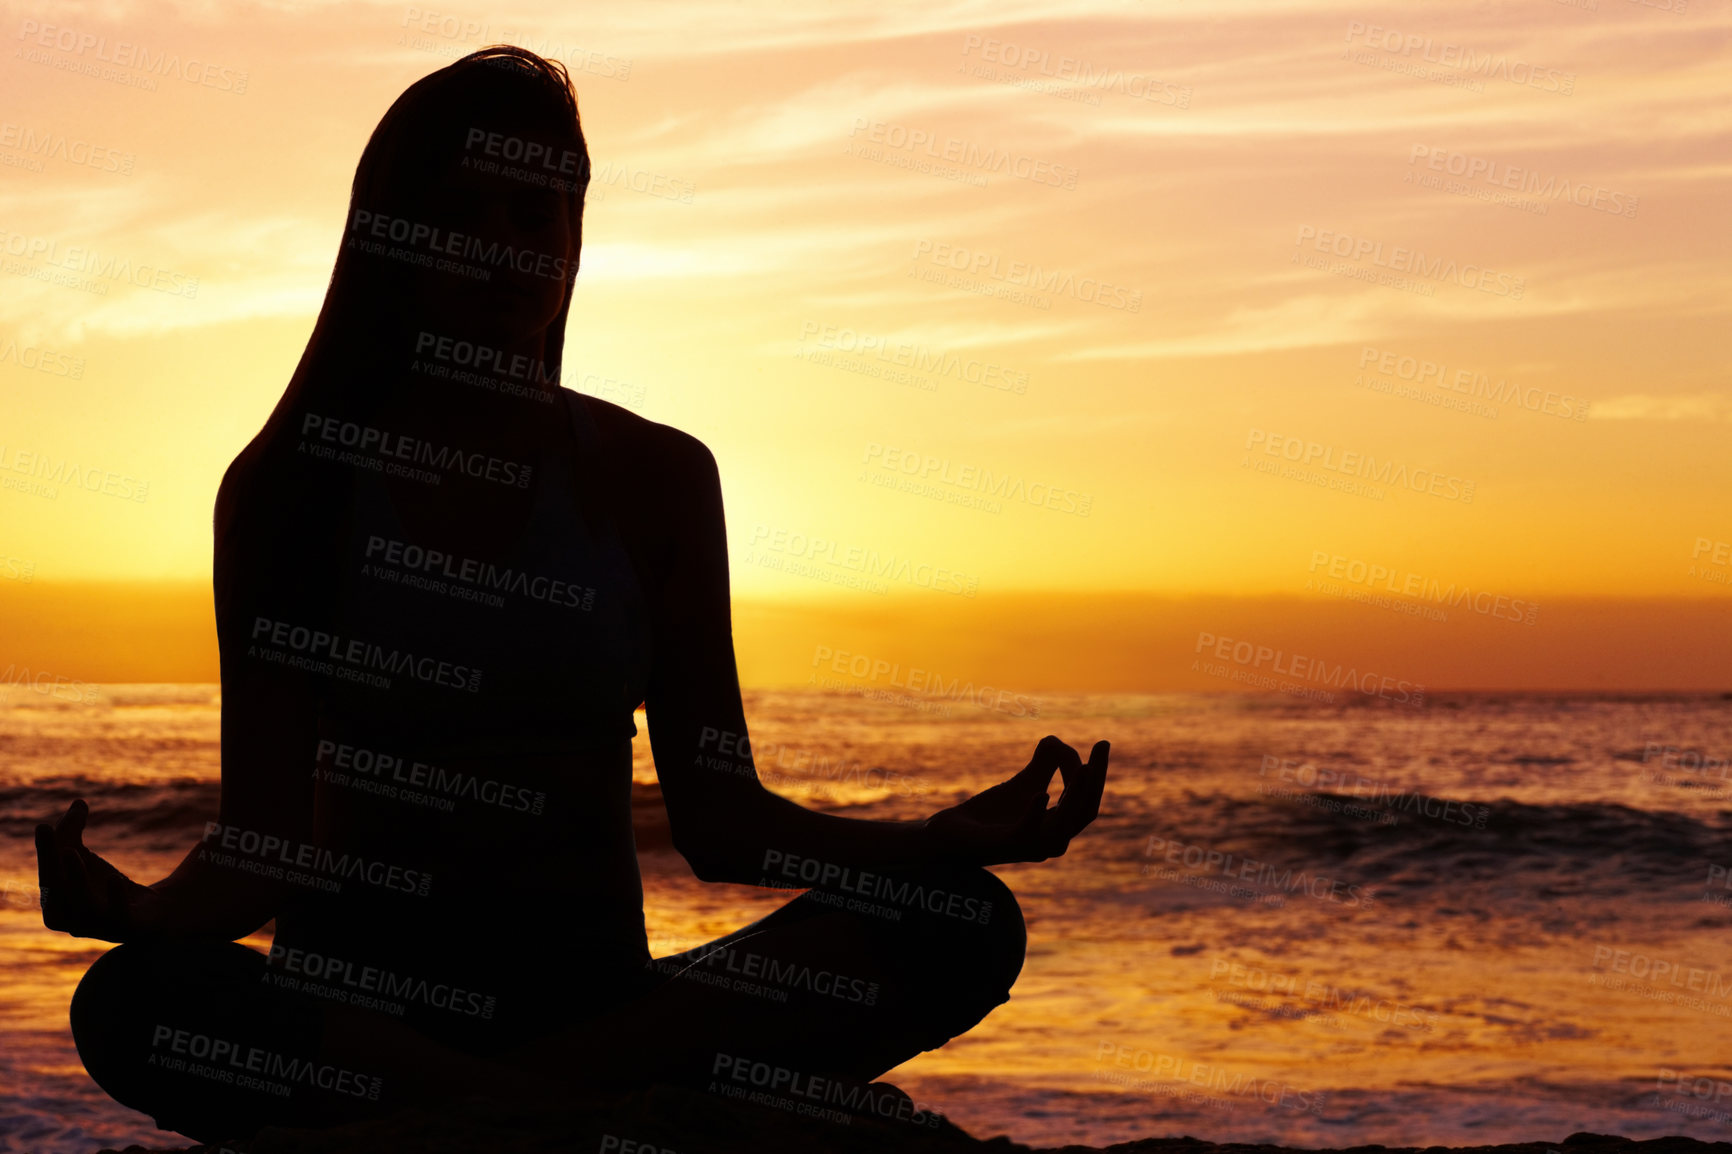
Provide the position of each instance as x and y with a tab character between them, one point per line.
63	874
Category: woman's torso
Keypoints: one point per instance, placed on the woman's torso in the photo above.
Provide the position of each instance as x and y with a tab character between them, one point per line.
474	765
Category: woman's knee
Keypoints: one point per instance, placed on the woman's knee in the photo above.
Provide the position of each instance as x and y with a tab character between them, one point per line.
105	1014
954	937
959	953
139	999
949	935
987	938
108	1000
140	980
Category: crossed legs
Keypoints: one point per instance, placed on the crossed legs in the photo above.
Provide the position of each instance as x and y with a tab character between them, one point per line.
826	986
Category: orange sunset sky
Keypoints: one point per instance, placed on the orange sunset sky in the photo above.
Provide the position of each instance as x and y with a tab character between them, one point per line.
1034	340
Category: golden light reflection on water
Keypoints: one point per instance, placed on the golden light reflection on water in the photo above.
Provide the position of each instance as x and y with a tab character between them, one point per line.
1501	943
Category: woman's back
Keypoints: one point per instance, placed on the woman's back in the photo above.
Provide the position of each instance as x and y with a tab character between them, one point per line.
481	741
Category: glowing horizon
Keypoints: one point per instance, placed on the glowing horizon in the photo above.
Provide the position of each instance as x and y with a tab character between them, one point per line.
1069	274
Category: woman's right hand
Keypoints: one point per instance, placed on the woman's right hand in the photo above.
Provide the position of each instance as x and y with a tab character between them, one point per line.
83	895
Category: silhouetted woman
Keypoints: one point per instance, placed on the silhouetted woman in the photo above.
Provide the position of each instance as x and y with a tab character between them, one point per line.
443	585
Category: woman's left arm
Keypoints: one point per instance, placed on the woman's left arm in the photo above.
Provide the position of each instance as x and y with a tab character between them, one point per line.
723	821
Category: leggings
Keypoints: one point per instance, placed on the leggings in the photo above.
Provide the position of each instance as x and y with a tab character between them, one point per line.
194	1034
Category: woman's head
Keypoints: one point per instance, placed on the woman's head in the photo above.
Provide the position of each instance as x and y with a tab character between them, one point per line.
467	206
465	223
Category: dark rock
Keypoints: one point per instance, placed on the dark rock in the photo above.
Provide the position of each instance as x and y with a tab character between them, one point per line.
692	1122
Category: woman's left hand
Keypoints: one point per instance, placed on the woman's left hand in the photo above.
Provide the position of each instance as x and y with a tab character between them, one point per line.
1011	822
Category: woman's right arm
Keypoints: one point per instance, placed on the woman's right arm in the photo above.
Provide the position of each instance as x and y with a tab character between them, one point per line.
268	746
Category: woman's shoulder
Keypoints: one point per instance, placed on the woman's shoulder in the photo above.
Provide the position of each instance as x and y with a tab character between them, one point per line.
646	447
662	482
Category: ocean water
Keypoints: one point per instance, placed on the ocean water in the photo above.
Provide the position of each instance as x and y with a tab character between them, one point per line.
1493	918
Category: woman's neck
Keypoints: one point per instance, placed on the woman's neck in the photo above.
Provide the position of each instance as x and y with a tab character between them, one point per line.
478	385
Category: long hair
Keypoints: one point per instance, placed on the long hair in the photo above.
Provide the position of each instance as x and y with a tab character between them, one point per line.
271	499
